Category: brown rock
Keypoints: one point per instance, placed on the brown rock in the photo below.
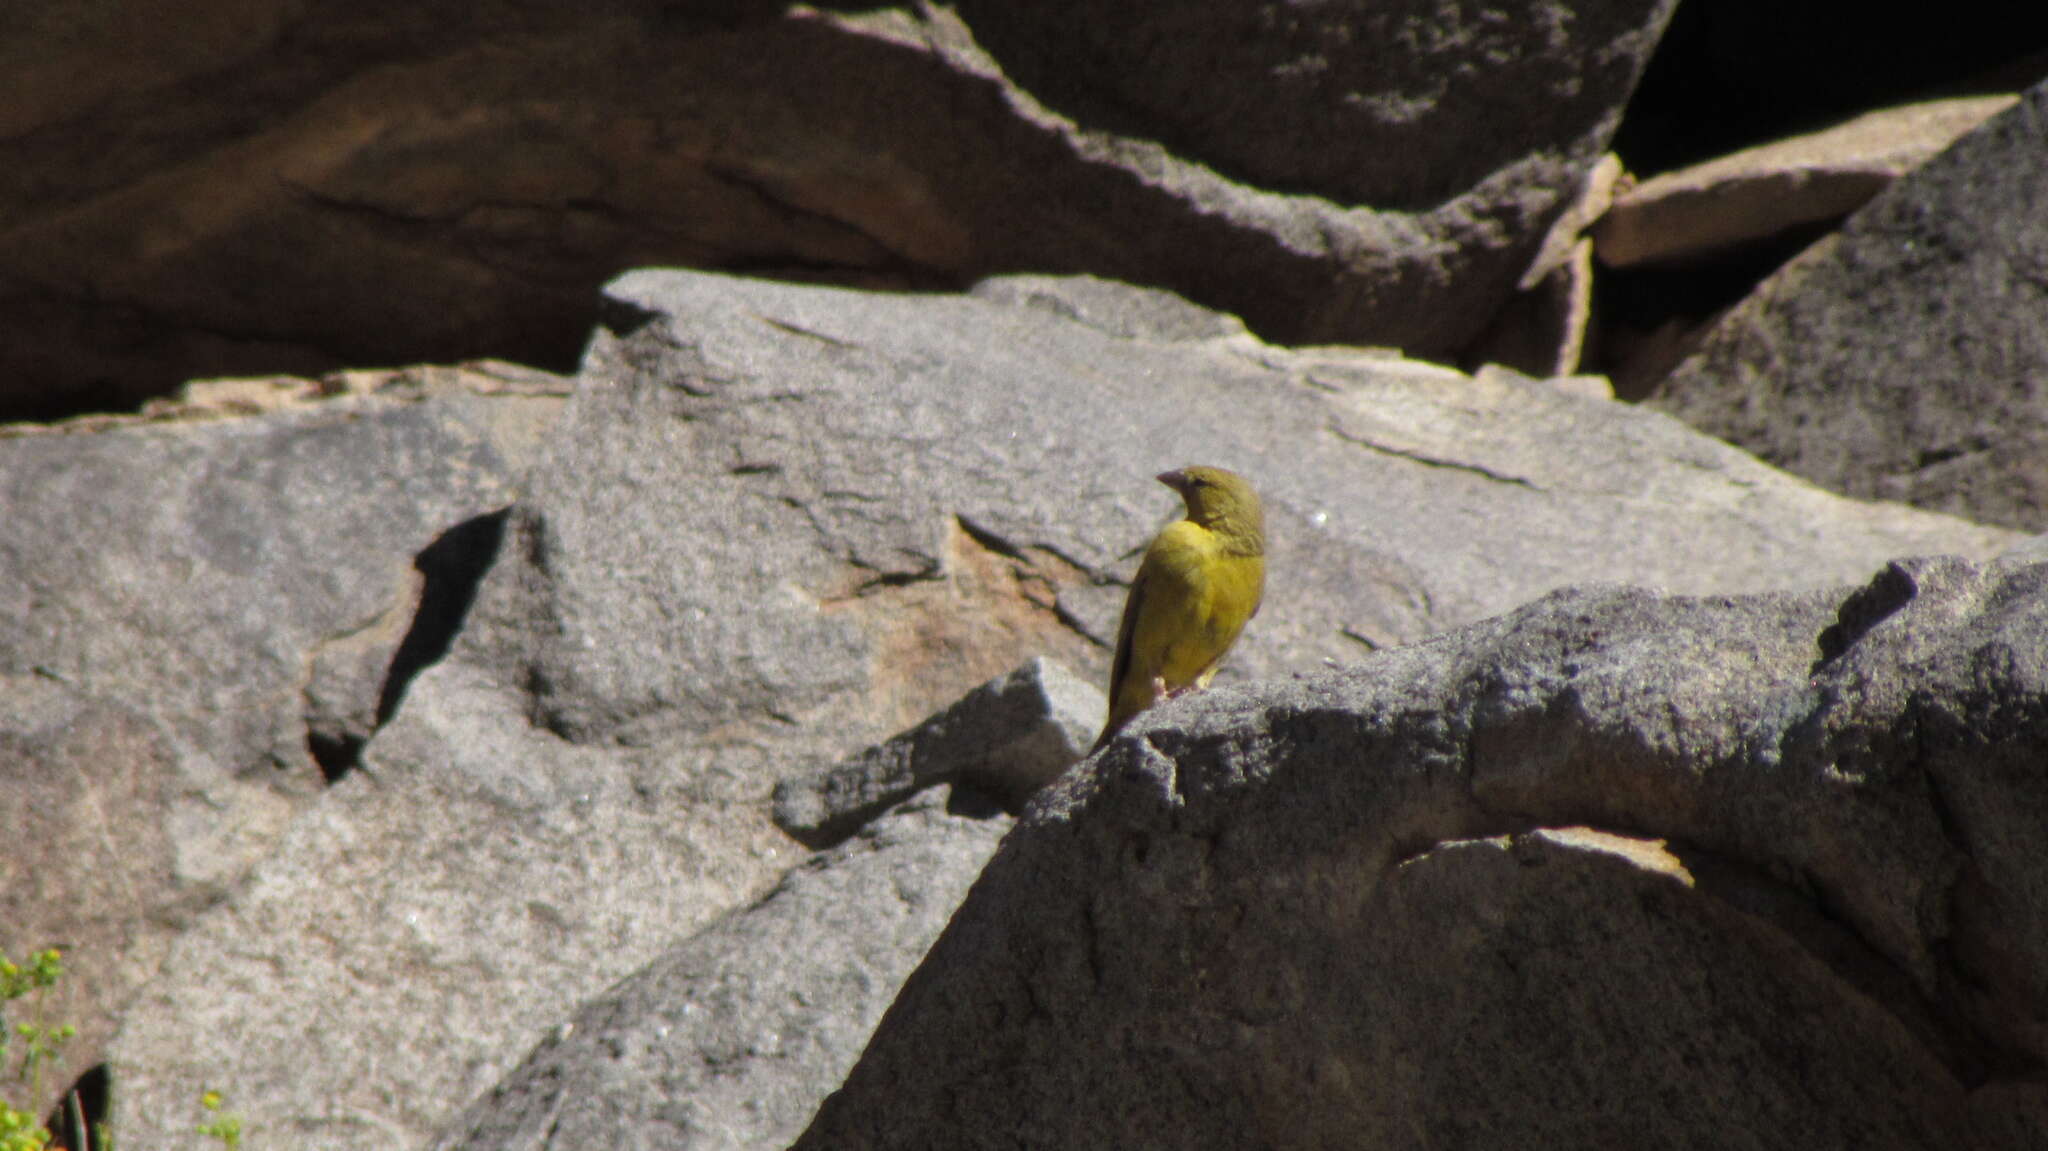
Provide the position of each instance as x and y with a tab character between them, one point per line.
1764	192
287	191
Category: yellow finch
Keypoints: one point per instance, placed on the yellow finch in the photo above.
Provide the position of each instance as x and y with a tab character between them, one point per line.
1199	582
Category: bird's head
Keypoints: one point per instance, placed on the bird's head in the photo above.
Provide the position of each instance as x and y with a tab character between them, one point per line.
1220	500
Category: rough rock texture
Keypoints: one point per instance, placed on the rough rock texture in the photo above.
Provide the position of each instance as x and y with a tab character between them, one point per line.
731	1039
1905	357
272	187
1024	422
190	610
1543	330
777	524
1616	869
1767	191
1352	100
2033	549
434	913
239	553
1006	739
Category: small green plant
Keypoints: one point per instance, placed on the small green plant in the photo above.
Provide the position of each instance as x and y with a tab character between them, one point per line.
42	1044
19	1130
225	1126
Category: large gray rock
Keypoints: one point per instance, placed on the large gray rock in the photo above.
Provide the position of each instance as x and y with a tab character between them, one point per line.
731	1039
1906	356
1616	869
192	608
777	524
291	189
1027	420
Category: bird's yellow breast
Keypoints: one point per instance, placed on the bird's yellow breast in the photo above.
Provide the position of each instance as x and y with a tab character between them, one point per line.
1197	598
1194	595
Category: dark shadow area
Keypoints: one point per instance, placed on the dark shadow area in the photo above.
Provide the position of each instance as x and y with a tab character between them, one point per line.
379	263
1649	317
87	358
1830	937
453	567
623	318
974	803
337	755
171	243
81	1113
1872	604
1731	74
1734	75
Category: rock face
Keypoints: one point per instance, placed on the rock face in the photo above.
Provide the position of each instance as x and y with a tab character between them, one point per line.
776	525
289	190
1614	869
197	615
1905	357
731	1039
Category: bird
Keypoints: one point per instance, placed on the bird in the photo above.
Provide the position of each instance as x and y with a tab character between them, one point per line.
1200	582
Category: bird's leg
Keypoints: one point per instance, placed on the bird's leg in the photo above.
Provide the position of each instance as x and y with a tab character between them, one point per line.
1200	683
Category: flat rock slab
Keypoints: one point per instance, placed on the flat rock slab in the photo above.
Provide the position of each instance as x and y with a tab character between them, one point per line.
1615	869
1904	357
1028	419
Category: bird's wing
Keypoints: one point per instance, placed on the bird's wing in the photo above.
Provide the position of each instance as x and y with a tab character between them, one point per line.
1134	605
1120	667
1166	597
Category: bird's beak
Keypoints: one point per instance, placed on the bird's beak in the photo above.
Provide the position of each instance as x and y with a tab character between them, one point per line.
1177	480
